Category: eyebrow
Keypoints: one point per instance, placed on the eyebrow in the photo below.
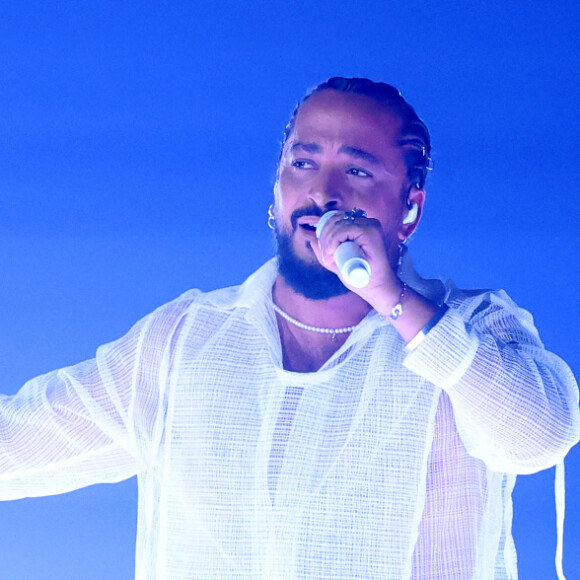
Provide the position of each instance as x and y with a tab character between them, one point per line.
359	154
353	152
308	147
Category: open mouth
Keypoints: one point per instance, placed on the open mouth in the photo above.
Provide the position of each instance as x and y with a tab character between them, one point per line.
308	223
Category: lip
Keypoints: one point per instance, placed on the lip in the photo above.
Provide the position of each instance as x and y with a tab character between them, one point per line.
307	225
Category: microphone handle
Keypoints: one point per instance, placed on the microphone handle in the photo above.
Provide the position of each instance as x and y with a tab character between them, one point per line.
354	268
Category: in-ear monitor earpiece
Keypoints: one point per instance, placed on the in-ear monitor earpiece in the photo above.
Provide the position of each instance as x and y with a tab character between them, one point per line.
411	217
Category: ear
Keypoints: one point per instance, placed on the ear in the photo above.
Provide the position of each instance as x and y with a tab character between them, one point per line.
412	212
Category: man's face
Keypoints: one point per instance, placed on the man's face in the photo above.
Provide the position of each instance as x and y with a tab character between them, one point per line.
343	152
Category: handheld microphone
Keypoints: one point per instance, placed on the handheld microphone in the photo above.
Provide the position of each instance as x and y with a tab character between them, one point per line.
354	268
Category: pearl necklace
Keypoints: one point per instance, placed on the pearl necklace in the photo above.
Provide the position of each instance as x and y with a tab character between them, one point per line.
333	331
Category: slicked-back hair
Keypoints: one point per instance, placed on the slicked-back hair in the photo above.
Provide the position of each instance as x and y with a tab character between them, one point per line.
415	138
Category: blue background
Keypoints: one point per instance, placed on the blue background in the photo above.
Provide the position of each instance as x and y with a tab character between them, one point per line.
138	144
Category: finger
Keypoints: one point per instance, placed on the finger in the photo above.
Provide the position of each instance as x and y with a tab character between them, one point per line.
323	252
365	232
325	259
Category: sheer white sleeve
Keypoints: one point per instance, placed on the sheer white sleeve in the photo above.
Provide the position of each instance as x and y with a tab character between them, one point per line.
515	404
92	422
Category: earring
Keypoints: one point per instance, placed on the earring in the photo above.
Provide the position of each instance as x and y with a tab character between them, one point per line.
271	218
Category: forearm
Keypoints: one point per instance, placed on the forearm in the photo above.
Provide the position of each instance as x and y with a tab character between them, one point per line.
51	441
515	404
415	310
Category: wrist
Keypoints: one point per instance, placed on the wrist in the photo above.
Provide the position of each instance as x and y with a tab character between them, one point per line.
390	302
397	309
407	311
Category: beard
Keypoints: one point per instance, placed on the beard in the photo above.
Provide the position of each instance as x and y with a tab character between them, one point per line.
311	280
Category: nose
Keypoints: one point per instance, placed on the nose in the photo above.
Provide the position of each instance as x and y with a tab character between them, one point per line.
327	190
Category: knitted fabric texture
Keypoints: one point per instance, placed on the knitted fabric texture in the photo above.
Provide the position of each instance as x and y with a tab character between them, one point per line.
383	464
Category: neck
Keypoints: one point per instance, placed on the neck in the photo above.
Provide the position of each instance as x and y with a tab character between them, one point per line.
345	310
305	350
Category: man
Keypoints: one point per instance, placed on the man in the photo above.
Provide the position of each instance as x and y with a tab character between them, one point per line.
298	426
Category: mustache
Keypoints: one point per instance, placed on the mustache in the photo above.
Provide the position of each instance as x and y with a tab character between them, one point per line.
298	213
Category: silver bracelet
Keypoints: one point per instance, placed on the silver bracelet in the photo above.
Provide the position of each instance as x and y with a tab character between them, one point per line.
397	310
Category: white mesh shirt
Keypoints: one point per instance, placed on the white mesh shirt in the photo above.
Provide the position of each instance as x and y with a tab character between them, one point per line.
383	464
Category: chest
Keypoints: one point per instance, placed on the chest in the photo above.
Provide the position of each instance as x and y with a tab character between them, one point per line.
355	439
225	408
304	351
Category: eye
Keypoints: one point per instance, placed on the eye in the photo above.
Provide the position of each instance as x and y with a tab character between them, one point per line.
358	172
302	164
